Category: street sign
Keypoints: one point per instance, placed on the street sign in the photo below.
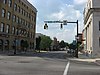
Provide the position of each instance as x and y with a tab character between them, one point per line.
64	22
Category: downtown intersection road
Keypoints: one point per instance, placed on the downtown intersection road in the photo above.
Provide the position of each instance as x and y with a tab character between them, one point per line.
45	63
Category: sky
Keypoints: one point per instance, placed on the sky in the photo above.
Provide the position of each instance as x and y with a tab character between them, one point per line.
54	10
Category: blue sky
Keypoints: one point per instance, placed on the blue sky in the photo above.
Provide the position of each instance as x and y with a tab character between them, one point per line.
70	10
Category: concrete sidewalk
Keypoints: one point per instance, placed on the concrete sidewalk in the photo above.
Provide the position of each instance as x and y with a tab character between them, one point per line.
84	58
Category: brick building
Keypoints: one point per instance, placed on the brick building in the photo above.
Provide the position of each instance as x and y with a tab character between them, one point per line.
17	24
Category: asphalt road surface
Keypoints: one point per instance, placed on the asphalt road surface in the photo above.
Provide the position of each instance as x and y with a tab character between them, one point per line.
50	63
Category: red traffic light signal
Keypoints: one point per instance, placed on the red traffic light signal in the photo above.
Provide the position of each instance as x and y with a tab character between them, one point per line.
45	26
61	26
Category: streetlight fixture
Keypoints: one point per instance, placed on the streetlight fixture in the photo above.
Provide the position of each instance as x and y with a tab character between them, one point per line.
64	22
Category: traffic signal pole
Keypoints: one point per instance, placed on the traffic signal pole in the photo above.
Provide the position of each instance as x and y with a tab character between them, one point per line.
64	22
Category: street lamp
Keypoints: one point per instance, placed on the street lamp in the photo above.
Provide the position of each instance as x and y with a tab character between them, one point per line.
64	22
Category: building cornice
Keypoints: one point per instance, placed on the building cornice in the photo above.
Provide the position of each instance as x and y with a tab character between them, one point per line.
30	5
89	12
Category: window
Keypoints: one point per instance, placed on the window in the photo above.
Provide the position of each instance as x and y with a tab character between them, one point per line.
7	28
28	25
20	20
8	15
13	30
2	27
29	16
15	7
19	9
32	18
4	1
25	23
9	3
24	12
14	18
19	32
3	12
16	31
17	19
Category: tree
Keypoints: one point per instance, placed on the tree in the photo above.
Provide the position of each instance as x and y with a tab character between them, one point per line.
62	44
45	42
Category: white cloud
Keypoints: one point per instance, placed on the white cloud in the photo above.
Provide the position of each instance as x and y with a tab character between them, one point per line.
80	2
59	15
58	10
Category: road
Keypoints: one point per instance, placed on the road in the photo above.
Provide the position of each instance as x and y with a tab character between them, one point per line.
45	63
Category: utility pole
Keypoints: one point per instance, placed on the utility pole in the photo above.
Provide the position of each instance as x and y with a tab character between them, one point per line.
64	22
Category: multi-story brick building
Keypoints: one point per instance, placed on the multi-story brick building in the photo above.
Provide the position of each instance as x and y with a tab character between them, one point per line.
91	29
17	24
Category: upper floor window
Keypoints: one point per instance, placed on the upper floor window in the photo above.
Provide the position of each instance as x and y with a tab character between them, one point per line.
8	15
19	9
20	20
3	12
13	30
8	28
16	31
14	18
24	12
17	19
32	17
9	3
2	27
4	1
15	7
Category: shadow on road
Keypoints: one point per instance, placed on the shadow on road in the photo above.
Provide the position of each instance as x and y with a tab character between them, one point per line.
52	54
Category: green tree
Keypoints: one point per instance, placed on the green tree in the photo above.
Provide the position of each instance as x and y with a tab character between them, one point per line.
62	44
45	42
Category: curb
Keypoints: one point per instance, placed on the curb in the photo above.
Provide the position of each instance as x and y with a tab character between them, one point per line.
97	62
86	60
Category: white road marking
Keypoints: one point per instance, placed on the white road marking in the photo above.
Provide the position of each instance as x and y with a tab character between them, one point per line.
66	69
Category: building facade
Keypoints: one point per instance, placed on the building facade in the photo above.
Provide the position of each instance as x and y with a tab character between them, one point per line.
91	29
17	24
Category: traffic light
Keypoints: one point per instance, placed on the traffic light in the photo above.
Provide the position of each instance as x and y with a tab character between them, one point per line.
61	26
45	26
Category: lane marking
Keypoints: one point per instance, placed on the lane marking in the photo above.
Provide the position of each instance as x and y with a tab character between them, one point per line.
66	69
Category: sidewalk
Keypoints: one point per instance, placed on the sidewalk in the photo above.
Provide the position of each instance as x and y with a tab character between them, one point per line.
84	58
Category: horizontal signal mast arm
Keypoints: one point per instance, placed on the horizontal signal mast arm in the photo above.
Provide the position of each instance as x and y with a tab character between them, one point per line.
53	21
